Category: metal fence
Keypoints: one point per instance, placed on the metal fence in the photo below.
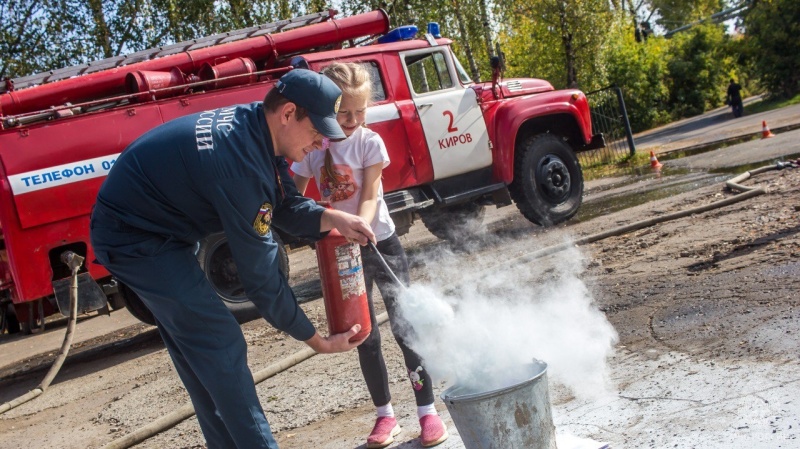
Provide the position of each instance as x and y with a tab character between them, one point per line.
610	118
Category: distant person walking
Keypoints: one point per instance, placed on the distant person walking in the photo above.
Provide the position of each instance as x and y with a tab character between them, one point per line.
734	98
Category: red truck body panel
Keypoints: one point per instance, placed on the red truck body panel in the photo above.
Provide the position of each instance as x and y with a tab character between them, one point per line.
510	114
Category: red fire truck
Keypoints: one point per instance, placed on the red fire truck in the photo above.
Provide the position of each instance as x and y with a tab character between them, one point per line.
455	145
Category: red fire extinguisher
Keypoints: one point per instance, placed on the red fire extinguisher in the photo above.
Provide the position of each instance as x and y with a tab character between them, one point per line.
343	287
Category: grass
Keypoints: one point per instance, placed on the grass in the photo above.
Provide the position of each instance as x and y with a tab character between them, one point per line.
770	104
606	170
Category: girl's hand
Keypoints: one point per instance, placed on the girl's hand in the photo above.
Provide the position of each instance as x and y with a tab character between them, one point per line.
353	227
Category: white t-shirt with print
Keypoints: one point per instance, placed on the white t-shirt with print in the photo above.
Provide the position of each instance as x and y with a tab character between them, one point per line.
362	149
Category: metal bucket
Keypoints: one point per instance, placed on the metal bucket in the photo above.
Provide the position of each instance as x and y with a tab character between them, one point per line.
512	417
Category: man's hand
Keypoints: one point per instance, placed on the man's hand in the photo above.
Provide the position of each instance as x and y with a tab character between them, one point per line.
336	342
353	227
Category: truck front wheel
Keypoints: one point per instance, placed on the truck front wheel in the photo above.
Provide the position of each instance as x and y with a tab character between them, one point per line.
215	259
548	181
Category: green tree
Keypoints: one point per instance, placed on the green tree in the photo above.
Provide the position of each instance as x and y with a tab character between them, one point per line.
772	38
672	14
558	40
640	70
37	35
697	69
41	35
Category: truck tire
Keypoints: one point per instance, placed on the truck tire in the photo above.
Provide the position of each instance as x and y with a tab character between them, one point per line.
36	322
402	222
452	223
8	319
216	260
116	301
213	254
135	305
548	181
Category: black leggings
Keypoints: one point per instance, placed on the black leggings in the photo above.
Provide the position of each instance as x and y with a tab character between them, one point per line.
370	356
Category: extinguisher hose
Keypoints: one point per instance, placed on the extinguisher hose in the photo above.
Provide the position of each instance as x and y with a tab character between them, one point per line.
74	261
386	266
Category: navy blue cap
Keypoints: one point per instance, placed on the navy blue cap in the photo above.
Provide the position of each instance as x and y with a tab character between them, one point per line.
318	95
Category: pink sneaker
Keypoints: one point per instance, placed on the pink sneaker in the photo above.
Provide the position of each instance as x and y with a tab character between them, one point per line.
433	430
383	433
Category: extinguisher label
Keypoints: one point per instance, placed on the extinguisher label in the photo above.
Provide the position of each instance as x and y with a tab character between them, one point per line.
351	274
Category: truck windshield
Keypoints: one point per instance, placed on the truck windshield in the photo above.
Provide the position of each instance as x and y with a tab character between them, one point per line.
462	74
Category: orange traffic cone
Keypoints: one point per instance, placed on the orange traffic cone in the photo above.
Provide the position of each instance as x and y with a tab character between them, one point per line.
654	161
765	132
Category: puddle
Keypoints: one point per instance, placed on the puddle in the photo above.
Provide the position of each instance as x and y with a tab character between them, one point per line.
633	175
658	185
307	291
739	169
655	186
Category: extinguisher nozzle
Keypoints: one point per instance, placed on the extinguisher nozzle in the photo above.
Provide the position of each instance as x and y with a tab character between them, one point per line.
386	266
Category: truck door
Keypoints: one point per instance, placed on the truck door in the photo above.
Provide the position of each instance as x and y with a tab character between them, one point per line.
385	118
450	115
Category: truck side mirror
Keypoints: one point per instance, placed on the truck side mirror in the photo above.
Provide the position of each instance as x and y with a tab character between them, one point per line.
497	67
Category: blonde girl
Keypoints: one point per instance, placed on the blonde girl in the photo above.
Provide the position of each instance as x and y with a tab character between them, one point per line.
348	174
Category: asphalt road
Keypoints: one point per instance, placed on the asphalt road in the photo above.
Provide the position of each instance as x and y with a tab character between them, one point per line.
716	127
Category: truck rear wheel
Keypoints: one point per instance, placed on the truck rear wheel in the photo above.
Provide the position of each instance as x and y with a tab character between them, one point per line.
548	181
402	222
8	319
36	321
216	260
135	305
452	223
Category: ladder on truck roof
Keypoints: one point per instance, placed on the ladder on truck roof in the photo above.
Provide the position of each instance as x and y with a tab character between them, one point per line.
166	50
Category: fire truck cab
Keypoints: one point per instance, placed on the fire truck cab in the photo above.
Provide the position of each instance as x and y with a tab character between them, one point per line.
455	145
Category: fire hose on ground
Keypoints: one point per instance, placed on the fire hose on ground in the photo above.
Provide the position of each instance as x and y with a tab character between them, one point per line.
186	411
73	261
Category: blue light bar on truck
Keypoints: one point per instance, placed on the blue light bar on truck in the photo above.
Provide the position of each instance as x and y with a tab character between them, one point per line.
403	33
433	29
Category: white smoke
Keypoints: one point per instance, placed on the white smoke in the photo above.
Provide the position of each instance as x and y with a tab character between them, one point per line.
480	330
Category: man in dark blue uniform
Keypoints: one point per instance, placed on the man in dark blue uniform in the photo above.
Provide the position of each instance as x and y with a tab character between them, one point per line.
222	170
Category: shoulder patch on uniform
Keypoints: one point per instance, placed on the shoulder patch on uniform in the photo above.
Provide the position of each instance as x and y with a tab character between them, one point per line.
263	219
